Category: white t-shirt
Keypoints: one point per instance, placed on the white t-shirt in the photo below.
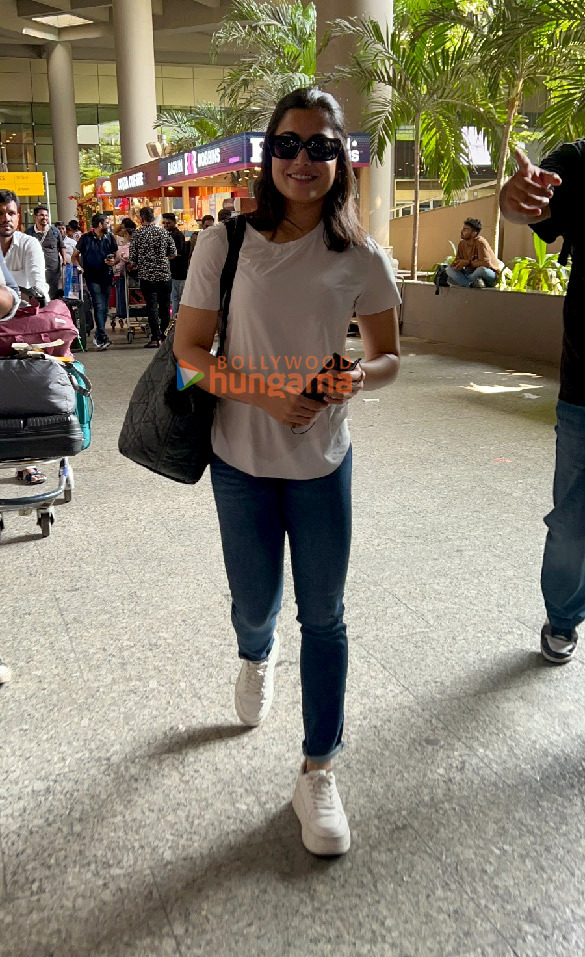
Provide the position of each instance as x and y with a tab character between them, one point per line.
290	308
70	247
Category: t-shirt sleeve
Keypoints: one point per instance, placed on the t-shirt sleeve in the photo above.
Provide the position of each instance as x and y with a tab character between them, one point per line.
567	162
380	291
202	286
171	248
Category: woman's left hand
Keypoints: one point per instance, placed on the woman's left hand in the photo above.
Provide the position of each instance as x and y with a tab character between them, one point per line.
341	392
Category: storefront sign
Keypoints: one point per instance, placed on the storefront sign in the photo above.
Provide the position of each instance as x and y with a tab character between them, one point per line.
131	181
23	184
358	145
239	152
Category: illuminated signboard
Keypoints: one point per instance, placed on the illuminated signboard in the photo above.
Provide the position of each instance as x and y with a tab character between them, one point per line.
131	181
238	152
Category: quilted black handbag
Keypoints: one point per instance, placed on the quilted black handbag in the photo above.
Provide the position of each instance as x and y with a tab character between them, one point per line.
167	431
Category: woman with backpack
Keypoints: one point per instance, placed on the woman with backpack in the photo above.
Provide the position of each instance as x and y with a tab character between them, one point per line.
282	459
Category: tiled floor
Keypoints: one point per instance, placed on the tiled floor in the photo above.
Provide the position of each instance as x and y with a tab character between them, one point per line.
137	817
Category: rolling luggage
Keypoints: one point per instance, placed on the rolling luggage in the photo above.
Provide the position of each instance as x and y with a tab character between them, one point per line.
38	408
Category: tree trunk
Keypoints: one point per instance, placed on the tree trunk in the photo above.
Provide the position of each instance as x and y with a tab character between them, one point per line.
416	217
512	111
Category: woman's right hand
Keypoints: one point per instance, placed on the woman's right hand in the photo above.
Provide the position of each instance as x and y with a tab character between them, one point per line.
292	408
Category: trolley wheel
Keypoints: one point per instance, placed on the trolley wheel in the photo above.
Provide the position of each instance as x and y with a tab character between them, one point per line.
45	521
113	324
67	494
130	335
121	323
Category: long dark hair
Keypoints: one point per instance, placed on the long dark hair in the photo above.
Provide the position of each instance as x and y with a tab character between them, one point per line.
342	226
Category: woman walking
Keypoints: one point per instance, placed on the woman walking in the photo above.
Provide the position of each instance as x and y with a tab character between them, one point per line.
282	459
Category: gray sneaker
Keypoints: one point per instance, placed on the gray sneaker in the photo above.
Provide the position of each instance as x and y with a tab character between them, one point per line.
255	687
5	673
556	646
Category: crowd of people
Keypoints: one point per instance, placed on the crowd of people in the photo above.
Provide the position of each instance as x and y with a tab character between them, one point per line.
282	457
158	258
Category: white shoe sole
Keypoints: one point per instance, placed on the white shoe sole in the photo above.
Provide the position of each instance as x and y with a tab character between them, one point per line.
556	661
320	846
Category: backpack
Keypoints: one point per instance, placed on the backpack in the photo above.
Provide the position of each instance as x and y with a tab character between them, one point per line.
36	325
84	401
440	278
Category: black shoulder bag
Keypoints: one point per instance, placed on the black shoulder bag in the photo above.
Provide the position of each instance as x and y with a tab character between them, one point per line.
167	431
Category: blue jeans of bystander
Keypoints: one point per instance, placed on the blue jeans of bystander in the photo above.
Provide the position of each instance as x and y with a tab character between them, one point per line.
464	277
254	515
100	298
563	566
177	286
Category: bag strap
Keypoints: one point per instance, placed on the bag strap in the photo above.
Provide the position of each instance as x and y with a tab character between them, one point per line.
236	229
79	380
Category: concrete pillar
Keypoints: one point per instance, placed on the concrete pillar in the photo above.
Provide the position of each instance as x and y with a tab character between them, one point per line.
186	202
64	125
133	38
376	197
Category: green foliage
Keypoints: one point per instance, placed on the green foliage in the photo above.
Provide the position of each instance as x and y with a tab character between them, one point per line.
99	160
541	274
278	45
410	76
203	124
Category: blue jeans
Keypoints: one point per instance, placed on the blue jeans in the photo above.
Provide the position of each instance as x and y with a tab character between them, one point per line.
177	286
563	566
120	283
254	515
100	298
464	277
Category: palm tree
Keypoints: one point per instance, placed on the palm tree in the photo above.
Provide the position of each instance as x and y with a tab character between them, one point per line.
423	80
519	49
278	43
203	124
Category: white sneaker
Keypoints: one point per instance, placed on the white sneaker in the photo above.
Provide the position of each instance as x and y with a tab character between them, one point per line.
5	673
317	805
255	687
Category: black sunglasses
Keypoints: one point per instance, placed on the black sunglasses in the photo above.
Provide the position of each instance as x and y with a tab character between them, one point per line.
320	149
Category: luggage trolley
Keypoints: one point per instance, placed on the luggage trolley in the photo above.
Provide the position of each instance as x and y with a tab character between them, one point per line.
43	502
135	308
78	308
55	437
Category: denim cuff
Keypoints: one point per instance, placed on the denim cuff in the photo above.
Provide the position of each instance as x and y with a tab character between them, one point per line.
322	758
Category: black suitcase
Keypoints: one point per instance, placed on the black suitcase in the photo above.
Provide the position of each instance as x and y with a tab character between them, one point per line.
40	437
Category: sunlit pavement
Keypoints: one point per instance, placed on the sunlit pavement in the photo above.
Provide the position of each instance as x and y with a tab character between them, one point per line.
137	817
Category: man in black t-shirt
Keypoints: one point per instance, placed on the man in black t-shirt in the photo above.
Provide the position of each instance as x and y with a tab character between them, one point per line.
551	200
98	251
179	264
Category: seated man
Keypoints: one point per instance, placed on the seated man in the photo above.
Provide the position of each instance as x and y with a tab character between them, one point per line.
475	264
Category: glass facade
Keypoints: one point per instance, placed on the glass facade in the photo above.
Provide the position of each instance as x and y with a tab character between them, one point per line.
26	142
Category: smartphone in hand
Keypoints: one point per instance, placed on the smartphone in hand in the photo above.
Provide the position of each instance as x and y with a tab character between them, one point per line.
314	389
